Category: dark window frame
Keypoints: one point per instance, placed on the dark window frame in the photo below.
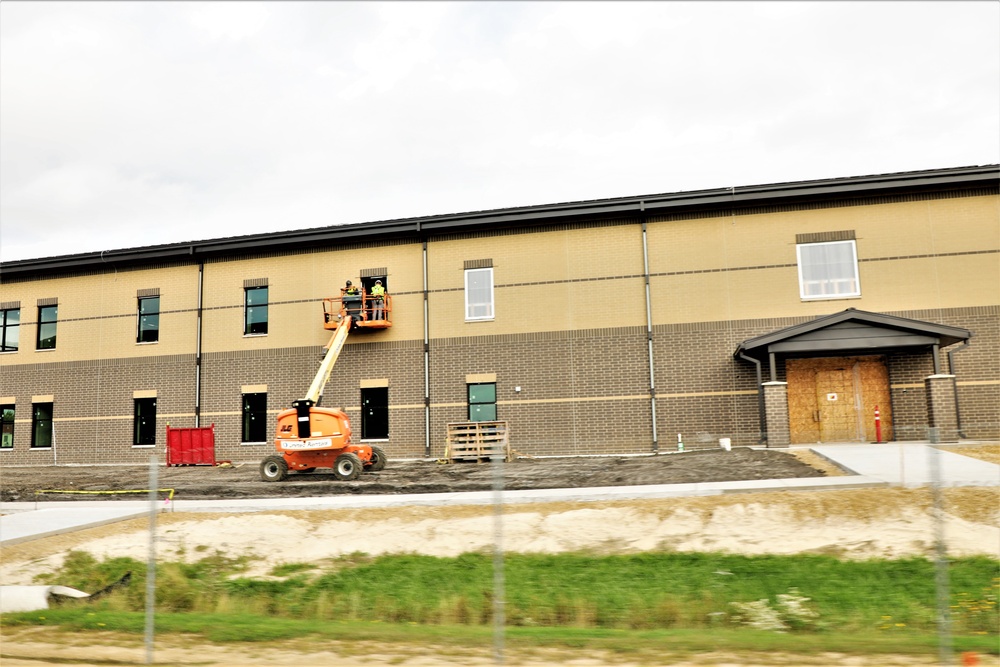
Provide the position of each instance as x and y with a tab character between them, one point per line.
148	322
42	429
144	422
249	430
43	324
477	406
252	310
7	425
8	330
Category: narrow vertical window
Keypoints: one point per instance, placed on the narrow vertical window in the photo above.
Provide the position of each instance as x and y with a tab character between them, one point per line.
41	426
828	270
6	427
479	294
144	422
10	329
375	413
483	402
255	309
254	418
47	318
149	320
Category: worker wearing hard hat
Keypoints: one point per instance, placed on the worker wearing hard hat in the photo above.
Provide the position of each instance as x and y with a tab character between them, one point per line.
378	296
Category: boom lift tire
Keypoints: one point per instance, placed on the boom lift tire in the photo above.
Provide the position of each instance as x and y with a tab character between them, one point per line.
377	461
347	467
273	469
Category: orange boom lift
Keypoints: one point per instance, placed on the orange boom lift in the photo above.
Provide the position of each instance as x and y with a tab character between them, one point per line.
309	436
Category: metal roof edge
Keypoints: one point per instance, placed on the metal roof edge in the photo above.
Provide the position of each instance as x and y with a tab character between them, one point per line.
938	179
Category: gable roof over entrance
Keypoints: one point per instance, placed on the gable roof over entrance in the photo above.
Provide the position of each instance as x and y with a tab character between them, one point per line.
852	332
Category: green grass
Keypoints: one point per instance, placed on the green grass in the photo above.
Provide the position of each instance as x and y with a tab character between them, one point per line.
246	628
567	598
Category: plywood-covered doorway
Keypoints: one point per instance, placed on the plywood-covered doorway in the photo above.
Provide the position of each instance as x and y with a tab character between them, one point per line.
833	399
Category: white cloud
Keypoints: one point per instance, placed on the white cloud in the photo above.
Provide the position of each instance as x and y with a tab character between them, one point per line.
156	122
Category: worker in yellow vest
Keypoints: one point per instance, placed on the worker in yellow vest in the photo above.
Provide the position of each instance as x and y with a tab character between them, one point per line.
378	296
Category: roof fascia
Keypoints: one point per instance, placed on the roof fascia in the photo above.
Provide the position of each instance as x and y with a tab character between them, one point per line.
424	227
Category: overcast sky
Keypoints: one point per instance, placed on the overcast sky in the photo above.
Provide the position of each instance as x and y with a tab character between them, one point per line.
127	124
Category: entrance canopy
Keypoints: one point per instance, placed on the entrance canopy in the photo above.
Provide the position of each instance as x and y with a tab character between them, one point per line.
851	332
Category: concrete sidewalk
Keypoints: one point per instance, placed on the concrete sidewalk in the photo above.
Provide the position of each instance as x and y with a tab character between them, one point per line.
911	464
907	464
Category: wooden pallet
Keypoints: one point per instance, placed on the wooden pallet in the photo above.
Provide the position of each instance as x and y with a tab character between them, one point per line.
477	441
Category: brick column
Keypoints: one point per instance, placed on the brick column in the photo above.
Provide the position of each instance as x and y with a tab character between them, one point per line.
941	415
776	411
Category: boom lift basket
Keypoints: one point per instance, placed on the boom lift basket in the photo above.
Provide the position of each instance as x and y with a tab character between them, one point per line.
477	441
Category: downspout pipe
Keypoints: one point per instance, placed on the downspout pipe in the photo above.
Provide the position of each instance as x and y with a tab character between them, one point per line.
951	370
197	346
427	363
762	439
649	328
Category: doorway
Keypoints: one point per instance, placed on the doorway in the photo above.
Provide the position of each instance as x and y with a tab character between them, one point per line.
833	399
375	413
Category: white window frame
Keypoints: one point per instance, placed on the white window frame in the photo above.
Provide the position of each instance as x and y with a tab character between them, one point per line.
846	287
482	310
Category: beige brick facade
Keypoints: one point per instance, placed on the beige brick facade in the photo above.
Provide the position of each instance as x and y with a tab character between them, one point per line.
570	328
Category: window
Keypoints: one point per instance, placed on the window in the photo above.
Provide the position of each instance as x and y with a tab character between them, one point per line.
47	316
144	422
828	270
6	427
479	294
254	417
483	402
255	310
375	413
149	320
10	329
41	425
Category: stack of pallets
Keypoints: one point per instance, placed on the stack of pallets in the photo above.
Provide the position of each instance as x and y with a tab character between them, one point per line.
477	441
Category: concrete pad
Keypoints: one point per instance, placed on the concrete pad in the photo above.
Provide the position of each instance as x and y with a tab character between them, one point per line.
25	526
911	464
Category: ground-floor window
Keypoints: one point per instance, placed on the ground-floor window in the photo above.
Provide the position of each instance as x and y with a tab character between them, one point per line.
41	425
375	413
483	402
144	422
255	417
7	427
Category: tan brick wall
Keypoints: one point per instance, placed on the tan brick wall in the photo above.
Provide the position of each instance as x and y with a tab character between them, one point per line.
98	315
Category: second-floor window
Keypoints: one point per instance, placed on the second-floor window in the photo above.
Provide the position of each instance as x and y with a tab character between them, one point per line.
10	329
828	270
47	318
255	311
149	320
479	294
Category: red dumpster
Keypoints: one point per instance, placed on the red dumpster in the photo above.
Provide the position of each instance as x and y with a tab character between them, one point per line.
191	446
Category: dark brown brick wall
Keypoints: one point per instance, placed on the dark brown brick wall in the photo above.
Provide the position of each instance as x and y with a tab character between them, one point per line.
93	407
584	392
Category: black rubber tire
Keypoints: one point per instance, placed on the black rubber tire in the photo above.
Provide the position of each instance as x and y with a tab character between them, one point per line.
305	470
273	469
347	467
377	461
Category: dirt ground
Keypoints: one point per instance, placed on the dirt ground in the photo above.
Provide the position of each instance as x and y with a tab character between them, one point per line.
243	480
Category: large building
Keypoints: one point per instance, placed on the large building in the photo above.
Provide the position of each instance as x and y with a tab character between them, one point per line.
770	315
